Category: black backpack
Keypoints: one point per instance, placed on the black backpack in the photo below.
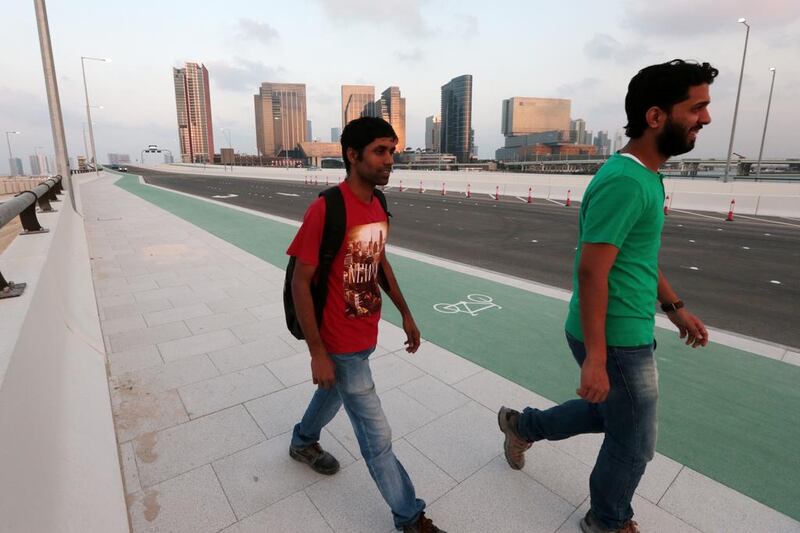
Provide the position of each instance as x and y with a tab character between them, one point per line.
332	239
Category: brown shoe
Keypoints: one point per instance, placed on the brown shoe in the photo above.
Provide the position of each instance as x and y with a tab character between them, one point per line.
589	524
422	525
514	445
318	459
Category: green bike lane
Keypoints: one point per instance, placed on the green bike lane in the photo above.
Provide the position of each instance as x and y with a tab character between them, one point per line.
726	413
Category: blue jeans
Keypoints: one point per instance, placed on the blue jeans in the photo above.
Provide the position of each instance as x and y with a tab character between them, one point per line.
628	419
355	390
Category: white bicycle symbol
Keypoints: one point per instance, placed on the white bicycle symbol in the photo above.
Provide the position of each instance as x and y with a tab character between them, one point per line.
475	304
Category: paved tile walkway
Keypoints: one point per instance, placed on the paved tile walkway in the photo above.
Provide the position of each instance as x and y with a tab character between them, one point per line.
207	383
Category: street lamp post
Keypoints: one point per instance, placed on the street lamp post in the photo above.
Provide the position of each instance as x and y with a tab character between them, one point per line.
766	119
738	93
10	154
88	107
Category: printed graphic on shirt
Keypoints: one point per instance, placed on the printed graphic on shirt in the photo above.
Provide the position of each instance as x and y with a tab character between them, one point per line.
362	296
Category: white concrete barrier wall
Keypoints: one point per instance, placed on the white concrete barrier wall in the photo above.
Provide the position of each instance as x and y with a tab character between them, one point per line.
59	465
752	198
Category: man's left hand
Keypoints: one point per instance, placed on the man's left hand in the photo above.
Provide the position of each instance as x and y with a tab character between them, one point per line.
691	328
412	334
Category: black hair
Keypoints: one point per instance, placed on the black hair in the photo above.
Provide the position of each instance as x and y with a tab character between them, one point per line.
360	132
663	86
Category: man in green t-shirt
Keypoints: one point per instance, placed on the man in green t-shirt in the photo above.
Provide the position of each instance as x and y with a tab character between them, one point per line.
617	282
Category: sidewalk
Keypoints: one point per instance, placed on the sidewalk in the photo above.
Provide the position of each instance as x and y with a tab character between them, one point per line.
207	383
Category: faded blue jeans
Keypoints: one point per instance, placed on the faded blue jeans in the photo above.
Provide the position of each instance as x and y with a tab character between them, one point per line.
628	419
355	390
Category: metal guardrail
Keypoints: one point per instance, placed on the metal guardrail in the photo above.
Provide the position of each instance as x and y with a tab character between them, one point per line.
24	206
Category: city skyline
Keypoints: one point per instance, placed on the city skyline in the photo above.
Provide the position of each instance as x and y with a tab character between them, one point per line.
607	44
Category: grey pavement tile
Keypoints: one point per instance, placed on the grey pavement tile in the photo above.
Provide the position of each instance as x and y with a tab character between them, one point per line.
215	283
583	447
130	474
278	412
227	304
293	369
161	377
183	279
125	288
391	336
298	345
251	354
226	390
260	330
493	391
657	478
294	514
440	363
460	442
350	500
133	359
150	412
190	298
112	301
493	500
119	325
147	336
561	473
176	314
132	309
711	506
267	311
792	358
435	395
264	474
191	503
173	451
649	517
390	371
161	294
206	324
197	344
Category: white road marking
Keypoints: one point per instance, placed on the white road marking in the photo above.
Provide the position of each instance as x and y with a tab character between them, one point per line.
695	214
521	199
285	194
775	281
557	203
226	195
769	221
694	268
691	240
745	247
534	240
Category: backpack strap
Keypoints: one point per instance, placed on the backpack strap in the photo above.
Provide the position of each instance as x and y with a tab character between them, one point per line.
335	225
382	199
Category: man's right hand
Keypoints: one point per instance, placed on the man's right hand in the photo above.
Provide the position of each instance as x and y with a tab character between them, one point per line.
594	381
323	369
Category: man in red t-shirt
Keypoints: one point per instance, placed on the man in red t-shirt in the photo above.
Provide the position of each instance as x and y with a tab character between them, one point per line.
341	345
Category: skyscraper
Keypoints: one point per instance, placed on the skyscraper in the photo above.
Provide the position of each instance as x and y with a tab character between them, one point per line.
15	167
457	117
357	101
392	108
309	132
336	135
577	131
193	103
39	165
433	133
523	115
281	123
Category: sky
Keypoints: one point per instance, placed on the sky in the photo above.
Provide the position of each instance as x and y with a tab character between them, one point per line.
586	51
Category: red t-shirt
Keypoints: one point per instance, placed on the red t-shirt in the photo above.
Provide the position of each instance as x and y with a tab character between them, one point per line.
353	306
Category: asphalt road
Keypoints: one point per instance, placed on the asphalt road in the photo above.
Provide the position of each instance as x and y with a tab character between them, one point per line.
742	276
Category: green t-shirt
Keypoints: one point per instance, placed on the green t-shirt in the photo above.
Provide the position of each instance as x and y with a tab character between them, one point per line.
624	206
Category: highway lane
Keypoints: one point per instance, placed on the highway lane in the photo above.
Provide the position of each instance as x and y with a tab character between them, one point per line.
742	276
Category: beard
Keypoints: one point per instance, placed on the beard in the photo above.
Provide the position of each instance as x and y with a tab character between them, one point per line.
674	139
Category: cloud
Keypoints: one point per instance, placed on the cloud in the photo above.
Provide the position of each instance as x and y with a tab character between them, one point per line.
699	17
249	29
242	74
584	86
604	46
412	57
403	16
467	26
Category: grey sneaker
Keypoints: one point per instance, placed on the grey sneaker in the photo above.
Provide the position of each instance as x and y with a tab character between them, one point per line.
589	524
514	446
318	459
